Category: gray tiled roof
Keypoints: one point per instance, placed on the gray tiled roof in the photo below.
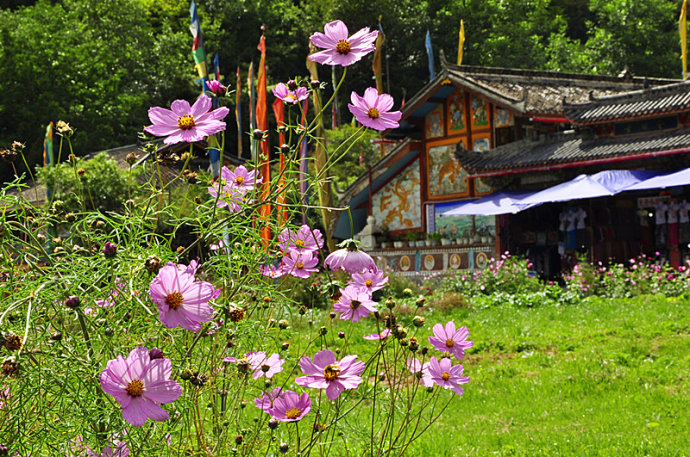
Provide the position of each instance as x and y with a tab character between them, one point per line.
665	99
568	147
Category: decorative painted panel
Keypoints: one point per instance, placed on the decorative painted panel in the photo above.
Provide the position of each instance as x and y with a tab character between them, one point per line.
434	122
481	188
457	121
397	205
480	113
481	142
445	174
503	118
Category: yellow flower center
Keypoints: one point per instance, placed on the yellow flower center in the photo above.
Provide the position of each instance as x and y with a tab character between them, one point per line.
239	180
174	300
299	243
331	372
368	283
450	343
293	413
135	388
373	113
186	122
291	96
445	376
354	304
342	47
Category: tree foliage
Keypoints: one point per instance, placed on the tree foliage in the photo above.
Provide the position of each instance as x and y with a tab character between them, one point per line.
100	64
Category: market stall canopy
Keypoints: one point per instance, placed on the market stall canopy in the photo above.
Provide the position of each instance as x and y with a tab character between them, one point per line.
491	205
602	184
676	178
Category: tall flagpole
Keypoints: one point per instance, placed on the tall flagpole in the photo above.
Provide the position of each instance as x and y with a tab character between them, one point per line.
683	29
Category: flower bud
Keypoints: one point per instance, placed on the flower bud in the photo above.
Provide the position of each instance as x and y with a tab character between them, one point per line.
284	148
315	83
72	302
414	344
404	342
407	292
10	366
259	134
155	353
390	303
186	374
341	335
332	315
17	146
283	324
292	85
81	172
4	450
420	302
109	249
152	263
197	200
323	331
273	424
425	350
418	321
8	155
131	158
239	439
57	336
11	341
284	447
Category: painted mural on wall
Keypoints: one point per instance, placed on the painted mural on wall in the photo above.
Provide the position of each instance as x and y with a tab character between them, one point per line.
457	123
397	205
481	187
502	118
434	122
480	112
446	175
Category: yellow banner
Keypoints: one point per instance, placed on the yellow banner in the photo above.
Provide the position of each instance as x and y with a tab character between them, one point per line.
461	41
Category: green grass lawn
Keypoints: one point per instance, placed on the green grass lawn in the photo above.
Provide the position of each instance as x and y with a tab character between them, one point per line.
604	377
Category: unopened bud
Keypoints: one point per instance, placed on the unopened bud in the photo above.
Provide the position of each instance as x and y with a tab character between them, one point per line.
72	302
418	321
292	84
109	249
323	331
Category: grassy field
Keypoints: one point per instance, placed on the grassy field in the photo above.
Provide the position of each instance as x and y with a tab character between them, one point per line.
602	378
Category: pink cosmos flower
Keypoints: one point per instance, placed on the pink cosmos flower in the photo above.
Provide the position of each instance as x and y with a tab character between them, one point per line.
447	375
240	179
415	366
185	124
216	88
369	280
181	299
4	396
262	365
117	448
304	239
229	196
290	406
300	265
325	372
354	304
271	271
283	93
139	384
265	401
449	339
374	110
378	336
339	49
349	258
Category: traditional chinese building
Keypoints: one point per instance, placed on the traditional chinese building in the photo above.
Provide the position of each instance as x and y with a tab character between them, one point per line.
474	131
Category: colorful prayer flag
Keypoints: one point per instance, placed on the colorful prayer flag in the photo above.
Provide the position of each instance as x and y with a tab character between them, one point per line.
198	47
252	115
461	41
430	55
376	64
683	26
238	112
262	124
48	154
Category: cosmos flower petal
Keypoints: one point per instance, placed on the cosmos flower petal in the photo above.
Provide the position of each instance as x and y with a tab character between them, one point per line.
334	390
138	362
158	369
163	392
134	412
336	30
158	115
180	108
321	40
323	358
200	106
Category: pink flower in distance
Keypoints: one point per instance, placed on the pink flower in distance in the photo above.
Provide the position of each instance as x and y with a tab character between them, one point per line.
290	406
283	93
350	258
186	124
447	375
369	280
4	396
265	401
269	366
109	301
139	384
240	179
339	49
354	304
229	196
304	239
378	336
271	271
181	299
374	110
216	88
117	448
449	339
415	366
325	372
300	265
